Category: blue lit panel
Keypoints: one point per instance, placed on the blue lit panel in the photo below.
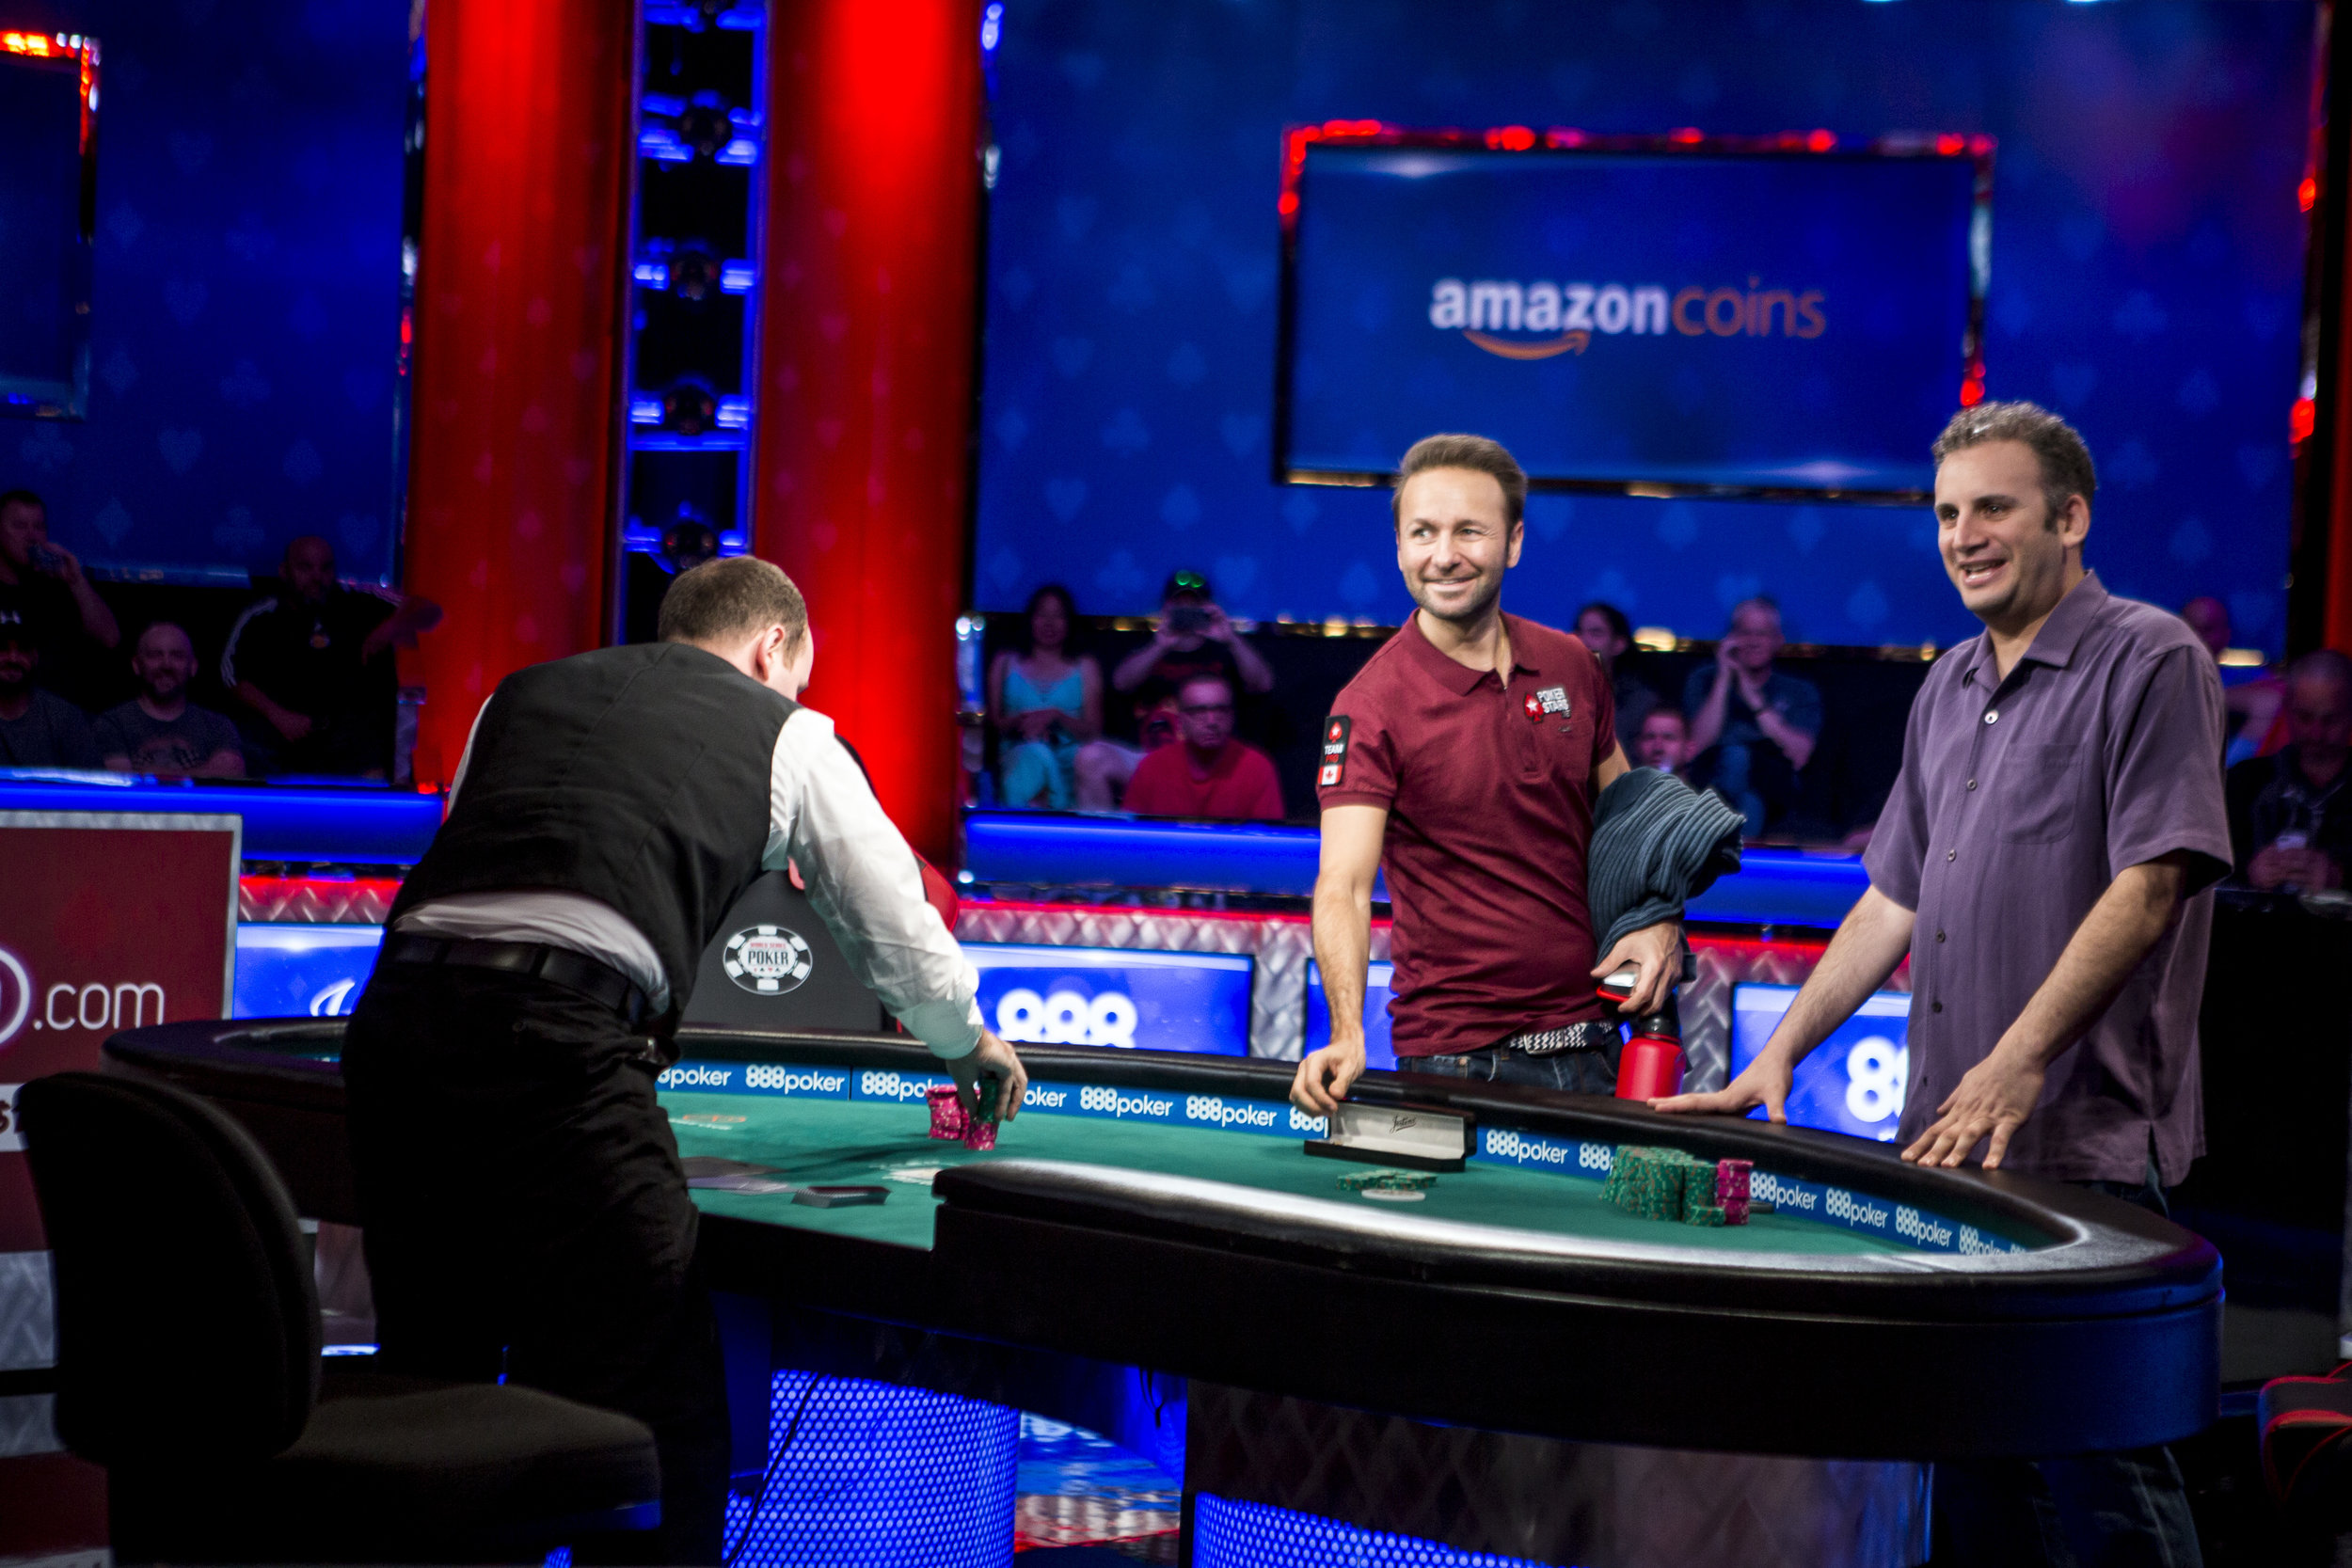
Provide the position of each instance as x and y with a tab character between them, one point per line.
286	971
1854	1081
879	1475
1196	1002
1378	1051
1227	1534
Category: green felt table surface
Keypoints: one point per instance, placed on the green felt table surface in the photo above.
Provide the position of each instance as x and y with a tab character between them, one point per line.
824	1141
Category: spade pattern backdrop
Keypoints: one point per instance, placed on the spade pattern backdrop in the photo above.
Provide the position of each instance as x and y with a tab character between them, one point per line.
2147	258
246	305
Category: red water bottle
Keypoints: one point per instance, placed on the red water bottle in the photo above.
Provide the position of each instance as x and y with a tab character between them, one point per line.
1651	1063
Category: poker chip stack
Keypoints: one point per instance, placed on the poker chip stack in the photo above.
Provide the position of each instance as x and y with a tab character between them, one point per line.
980	1131
948	1119
1731	1189
1386	1180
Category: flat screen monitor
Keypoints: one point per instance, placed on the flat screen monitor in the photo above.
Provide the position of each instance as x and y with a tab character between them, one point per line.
1115	996
1854	1081
289	971
1634	315
48	197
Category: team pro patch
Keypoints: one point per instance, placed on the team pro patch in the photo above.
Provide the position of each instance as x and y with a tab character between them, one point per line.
1335	731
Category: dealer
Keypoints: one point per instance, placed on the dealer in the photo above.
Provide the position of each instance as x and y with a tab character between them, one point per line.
526	1213
1467	755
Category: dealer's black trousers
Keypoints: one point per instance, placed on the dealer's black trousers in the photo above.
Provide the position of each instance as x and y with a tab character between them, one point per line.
526	1214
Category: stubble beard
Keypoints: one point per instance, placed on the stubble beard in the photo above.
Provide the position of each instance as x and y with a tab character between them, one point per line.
1470	614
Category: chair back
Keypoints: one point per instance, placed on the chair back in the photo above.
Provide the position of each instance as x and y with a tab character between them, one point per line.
187	1318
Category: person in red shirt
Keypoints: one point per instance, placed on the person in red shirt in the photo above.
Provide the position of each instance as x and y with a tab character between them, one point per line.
1464	759
1207	775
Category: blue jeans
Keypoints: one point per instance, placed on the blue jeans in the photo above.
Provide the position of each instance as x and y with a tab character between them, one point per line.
2125	1510
1573	1072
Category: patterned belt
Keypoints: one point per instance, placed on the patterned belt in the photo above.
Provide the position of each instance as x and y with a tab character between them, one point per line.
1570	1036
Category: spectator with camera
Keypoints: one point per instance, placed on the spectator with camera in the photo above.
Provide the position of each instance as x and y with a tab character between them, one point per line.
43	585
1045	704
37	728
1194	636
159	731
1210	776
1752	727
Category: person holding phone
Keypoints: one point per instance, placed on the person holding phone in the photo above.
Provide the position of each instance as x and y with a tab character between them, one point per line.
1194	638
42	585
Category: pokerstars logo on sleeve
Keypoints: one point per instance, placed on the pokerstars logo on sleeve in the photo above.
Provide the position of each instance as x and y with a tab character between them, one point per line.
1335	733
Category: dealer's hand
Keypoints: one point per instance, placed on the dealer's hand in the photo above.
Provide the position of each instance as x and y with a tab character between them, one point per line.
1324	1077
992	1058
1993	1101
1765	1083
1658	952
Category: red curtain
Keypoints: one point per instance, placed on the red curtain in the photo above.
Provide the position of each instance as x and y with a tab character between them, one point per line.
520	292
864	403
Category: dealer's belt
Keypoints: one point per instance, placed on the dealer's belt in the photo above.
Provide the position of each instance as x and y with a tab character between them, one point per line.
1569	1037
560	966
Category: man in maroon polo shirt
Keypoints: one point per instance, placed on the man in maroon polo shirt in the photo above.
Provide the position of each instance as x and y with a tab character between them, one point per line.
2043	861
1465	756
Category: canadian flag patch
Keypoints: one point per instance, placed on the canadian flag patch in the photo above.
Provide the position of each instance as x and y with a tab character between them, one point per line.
1335	730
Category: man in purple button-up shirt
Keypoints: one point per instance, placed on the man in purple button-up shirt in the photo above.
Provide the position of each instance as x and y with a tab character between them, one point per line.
2044	860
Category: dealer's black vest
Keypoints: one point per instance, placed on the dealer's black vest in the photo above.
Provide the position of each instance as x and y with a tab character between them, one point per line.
638	776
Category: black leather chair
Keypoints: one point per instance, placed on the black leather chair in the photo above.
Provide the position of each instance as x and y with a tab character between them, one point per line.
2305	1425
188	1366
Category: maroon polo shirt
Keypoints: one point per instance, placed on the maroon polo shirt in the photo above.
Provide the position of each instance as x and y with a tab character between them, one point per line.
1489	787
2020	800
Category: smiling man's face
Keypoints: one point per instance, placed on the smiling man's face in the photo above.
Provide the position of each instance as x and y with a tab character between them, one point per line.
2001	548
1455	540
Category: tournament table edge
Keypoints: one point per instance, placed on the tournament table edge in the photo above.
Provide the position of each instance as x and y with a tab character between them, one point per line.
2106	1337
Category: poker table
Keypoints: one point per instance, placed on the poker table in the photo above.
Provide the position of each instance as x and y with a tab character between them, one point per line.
1159	1211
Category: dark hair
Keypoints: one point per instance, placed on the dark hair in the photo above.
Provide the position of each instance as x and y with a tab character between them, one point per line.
1475	453
20	497
1184	581
731	597
1618	624
2323	664
1028	616
1664	711
2058	447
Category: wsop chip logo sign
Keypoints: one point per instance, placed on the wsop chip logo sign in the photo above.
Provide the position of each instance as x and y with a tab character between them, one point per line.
767	960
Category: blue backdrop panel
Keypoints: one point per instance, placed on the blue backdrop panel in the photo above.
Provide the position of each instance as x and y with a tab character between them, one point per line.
1768	322
290	970
1118	997
1854	1081
2146	281
245	320
348	827
1229	1535
878	1475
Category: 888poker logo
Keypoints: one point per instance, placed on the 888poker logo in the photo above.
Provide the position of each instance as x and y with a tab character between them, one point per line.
16	1010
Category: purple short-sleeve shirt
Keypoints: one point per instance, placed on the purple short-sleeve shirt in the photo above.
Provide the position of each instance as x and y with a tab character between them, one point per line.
2020	800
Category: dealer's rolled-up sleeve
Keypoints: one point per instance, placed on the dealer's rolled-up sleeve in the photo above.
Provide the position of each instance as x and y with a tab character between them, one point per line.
867	887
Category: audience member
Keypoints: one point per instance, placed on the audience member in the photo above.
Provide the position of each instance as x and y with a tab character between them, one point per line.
2252	693
313	664
2290	813
42	583
159	731
1193	638
1664	741
1752	727
1610	635
1210	776
1045	704
37	728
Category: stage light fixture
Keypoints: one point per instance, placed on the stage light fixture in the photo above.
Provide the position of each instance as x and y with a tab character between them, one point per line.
689	407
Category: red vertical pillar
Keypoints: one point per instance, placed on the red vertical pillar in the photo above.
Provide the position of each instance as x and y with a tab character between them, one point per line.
864	402
520	288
